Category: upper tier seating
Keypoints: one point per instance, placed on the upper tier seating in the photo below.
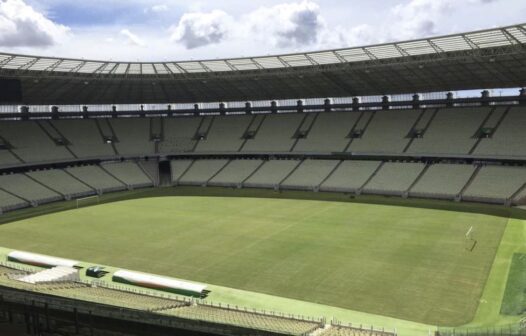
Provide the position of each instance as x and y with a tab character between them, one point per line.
495	184
31	143
60	181
202	171
310	174
509	138
387	132
235	172
27	189
394	178
446	131
271	173
128	173
225	134
329	133
275	134
443	181
350	176
133	136
85	138
452	131
179	134
96	178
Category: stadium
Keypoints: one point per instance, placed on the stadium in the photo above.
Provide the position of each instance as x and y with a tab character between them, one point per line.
337	192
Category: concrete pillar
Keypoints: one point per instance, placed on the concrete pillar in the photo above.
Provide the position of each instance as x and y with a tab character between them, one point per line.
327	105
484	97
24	110
449	99
248	108
416	101
522	96
54	112
299	104
355	104
85	112
385	103
273	106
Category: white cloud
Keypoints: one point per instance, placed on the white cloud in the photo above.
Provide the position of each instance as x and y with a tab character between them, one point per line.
407	20
22	26
199	29
288	24
157	9
419	18
132	39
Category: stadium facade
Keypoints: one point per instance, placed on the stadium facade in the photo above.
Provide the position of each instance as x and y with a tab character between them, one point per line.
373	120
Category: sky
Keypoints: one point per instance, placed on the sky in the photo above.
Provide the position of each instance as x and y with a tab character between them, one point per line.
174	30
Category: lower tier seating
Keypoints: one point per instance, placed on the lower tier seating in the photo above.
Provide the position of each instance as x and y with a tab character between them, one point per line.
394	178
129	173
443	181
310	174
61	182
496	184
489	184
235	172
350	331
281	325
350	176
27	189
96	178
271	173
9	202
202	171
178	168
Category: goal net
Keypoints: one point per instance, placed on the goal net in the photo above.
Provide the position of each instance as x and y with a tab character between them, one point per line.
87	201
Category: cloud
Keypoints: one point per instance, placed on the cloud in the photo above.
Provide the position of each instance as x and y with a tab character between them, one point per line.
132	39
419	18
200	29
407	20
22	26
156	9
288	24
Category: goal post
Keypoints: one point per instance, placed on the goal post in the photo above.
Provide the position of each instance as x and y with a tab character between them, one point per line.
87	201
470	240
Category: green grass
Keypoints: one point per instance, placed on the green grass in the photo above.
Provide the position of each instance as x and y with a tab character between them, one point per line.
402	262
514	300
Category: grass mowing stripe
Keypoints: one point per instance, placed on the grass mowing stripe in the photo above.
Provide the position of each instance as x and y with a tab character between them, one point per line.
514	300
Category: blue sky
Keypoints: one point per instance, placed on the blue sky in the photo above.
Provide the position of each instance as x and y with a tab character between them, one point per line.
132	30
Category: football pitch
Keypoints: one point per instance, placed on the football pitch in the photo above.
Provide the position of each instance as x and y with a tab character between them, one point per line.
402	262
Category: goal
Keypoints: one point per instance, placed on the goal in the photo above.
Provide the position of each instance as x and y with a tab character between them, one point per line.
87	201
470	241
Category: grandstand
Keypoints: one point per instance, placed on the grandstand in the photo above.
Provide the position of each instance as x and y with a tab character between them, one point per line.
129	173
96	178
321	125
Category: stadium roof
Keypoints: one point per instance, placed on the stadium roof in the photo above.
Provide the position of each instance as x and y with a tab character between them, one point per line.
493	58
